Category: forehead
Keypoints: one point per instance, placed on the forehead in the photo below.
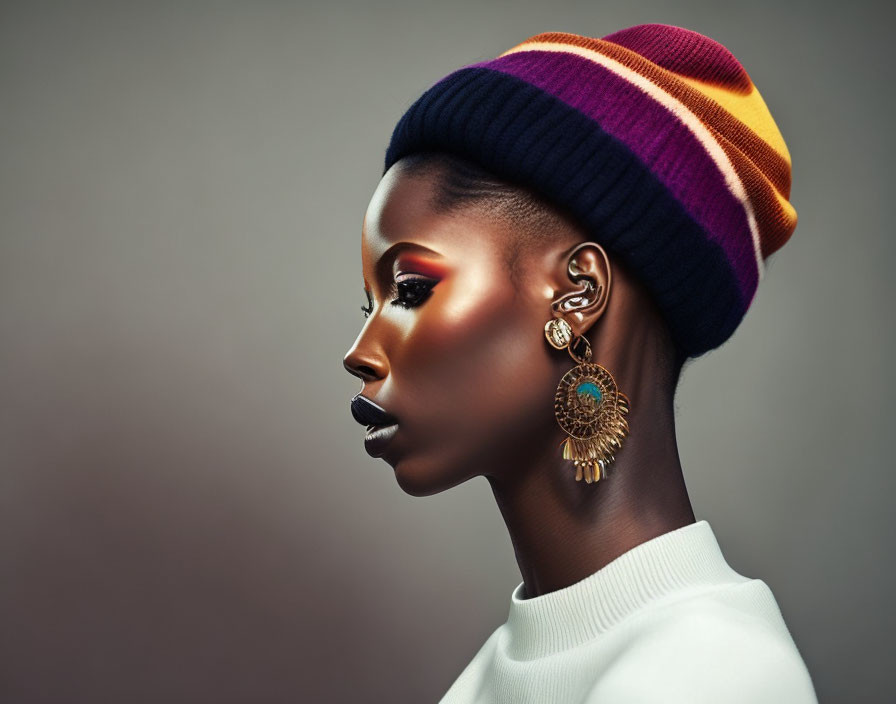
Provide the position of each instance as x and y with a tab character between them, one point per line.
401	209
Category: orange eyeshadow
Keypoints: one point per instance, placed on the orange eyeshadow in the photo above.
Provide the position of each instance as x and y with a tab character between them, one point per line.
407	263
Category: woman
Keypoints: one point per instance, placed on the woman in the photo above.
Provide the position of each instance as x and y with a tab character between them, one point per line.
555	233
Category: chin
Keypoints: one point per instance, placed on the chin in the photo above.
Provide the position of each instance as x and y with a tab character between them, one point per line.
418	479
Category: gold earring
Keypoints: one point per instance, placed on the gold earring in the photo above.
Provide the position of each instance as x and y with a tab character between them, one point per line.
588	406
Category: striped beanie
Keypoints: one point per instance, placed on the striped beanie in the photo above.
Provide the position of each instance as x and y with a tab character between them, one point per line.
653	137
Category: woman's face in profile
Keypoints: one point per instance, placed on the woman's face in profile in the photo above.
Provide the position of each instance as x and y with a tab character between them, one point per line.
452	347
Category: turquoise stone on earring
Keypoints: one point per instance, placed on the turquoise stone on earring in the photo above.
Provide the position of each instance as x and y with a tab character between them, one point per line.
591	410
589	388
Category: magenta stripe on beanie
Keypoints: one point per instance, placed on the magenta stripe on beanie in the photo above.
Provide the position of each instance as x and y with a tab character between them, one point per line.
685	52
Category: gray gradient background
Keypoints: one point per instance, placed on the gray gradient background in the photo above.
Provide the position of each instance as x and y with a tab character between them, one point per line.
187	513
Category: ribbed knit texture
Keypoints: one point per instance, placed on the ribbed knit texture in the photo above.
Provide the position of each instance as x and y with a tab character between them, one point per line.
668	621
653	137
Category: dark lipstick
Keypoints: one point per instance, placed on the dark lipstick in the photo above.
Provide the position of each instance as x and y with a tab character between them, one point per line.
366	412
381	425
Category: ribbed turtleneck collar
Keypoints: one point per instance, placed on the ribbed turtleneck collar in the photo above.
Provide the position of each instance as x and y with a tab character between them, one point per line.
687	557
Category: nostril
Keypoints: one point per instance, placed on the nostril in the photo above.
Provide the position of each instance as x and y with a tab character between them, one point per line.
366	372
353	369
362	371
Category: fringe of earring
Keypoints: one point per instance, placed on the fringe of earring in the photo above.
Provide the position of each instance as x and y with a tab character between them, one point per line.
593	455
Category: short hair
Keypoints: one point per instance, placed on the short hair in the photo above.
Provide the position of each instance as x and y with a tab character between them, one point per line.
461	183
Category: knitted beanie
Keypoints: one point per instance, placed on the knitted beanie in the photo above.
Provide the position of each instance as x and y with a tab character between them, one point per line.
653	137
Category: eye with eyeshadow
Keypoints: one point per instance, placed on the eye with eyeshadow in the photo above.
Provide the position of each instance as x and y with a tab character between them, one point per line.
408	292
412	291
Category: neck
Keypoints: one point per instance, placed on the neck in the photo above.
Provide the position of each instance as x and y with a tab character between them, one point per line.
563	530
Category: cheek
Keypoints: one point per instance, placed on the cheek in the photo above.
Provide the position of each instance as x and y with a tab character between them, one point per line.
475	365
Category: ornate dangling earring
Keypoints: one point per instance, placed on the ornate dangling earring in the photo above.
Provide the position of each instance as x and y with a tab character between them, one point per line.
588	405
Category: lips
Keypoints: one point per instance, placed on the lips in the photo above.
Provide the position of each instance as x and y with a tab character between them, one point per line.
368	413
381	425
378	436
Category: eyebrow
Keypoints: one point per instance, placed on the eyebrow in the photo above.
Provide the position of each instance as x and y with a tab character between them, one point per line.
384	264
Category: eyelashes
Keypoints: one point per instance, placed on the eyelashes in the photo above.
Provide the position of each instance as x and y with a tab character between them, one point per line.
407	293
369	309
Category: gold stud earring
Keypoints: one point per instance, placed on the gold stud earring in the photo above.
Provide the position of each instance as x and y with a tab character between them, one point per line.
588	405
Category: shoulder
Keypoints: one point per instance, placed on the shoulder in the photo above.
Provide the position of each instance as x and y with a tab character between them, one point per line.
728	646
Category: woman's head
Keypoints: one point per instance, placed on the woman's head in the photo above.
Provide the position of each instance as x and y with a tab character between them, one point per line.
454	346
645	163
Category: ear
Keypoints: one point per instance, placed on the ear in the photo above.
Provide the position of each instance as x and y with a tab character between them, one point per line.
584	286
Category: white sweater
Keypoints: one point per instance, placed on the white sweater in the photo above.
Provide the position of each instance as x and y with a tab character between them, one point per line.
668	622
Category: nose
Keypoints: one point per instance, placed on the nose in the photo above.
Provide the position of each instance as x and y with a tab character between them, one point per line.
365	366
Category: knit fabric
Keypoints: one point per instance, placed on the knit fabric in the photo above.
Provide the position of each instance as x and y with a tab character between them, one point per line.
668	621
654	138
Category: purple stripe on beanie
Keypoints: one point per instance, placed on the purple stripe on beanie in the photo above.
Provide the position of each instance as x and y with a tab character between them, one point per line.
654	134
